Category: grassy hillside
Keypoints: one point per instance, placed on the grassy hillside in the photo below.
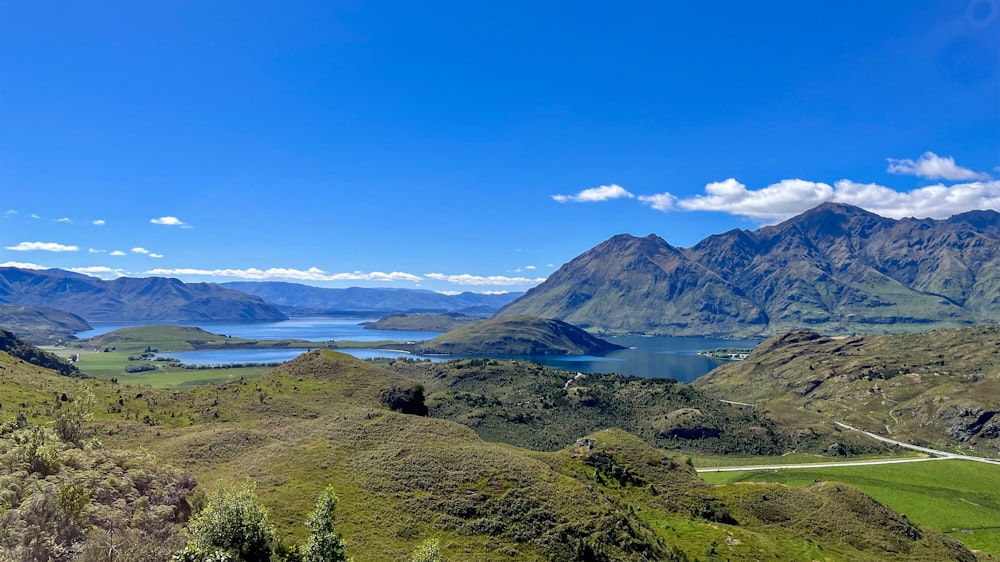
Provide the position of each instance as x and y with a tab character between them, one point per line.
537	407
939	388
517	335
324	419
958	497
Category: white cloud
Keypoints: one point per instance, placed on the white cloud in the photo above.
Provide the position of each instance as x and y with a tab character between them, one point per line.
117	253
168	221
790	197
779	200
95	251
660	201
98	271
22	265
449	293
100	222
594	194
311	274
139	250
64	219
466	279
44	246
933	201
33	215
933	167
9	213
152	255
530	267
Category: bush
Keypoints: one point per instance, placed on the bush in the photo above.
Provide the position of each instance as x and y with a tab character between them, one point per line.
324	544
232	522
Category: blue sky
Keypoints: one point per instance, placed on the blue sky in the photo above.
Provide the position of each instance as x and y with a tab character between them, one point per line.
472	145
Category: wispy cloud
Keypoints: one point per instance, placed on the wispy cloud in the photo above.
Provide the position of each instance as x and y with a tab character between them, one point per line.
96	251
152	255
790	197
9	213
98	271
34	216
100	222
530	267
467	279
311	274
170	221
22	265
660	201
595	194
933	167
117	253
139	250
64	219
43	246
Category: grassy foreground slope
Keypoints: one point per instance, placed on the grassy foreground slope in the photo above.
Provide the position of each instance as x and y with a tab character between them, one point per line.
940	388
322	419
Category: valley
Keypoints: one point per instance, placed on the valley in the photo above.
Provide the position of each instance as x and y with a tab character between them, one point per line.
523	437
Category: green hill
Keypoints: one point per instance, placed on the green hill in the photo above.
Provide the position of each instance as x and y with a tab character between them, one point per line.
538	407
181	338
518	335
421	322
325	418
938	388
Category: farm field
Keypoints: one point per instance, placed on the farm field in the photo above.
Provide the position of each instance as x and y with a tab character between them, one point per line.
960	498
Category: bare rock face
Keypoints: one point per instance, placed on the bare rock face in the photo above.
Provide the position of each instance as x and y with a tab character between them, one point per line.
968	421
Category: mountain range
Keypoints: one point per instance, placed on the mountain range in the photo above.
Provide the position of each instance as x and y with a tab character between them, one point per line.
131	299
834	269
296	298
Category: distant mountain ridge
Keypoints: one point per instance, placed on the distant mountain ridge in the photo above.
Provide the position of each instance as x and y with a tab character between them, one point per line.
292	296
834	269
131	299
41	325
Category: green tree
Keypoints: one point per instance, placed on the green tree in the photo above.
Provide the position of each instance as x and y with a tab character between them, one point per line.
324	544
232	526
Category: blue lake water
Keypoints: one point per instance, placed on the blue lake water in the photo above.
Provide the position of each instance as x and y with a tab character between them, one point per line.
645	356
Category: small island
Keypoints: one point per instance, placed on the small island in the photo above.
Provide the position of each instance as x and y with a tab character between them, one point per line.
420	322
515	335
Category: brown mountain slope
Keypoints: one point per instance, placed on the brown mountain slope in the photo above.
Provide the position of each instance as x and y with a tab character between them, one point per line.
835	268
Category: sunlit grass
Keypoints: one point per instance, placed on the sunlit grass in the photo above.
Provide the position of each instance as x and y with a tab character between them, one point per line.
961	498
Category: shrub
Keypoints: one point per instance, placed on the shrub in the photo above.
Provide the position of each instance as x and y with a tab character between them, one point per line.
324	544
232	522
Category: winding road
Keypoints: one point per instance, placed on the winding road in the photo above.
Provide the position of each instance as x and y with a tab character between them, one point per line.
938	456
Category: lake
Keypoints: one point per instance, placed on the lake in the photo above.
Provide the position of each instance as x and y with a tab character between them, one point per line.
645	356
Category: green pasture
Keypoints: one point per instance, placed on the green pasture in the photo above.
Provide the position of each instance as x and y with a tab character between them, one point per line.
112	366
718	461
960	498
